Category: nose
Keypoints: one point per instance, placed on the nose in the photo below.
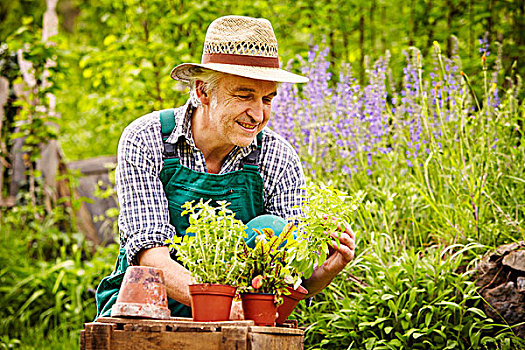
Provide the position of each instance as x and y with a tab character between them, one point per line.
256	111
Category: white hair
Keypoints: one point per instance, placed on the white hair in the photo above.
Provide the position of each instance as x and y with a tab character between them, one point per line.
209	77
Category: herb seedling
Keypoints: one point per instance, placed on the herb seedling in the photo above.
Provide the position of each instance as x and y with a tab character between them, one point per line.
211	254
326	210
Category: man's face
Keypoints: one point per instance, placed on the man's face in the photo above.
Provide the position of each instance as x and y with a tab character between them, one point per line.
240	108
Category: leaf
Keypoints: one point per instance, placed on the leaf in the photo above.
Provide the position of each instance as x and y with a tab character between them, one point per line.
449	303
477	311
387	296
110	39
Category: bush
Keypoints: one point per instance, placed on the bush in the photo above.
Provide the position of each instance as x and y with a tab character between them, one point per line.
440	169
49	296
437	163
401	298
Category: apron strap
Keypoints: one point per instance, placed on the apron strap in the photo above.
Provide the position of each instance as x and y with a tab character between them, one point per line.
251	161
167	124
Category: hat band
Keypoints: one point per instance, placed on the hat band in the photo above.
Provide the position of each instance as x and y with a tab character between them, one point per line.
243	60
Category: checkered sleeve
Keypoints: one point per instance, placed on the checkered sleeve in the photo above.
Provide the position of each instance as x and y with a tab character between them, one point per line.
285	182
144	216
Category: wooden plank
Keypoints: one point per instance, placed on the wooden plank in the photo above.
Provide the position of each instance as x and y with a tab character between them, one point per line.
182	323
261	341
82	341
234	337
122	340
7	202
98	336
94	170
96	165
116	333
276	330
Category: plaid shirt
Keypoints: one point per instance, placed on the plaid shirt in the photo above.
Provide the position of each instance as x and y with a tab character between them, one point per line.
144	220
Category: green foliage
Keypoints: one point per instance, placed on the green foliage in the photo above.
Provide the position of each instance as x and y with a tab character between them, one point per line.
327	209
33	119
117	60
266	266
34	122
425	204
412	286
405	298
102	191
12	12
47	280
210	248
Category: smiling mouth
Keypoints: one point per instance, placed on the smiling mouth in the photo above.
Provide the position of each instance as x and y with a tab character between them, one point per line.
247	126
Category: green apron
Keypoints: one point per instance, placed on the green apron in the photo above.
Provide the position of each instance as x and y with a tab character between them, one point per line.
242	188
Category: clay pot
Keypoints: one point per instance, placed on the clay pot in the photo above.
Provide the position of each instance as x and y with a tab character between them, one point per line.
290	301
142	294
211	302
259	307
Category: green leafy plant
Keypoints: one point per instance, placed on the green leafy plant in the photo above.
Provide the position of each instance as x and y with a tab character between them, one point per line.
326	210
399	298
47	280
266	266
210	248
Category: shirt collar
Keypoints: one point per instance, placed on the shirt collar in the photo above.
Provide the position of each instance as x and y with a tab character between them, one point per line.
183	124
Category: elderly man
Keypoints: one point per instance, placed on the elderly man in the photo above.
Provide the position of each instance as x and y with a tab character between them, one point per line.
214	147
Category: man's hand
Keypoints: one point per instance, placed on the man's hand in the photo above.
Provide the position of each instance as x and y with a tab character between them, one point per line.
236	312
341	252
177	278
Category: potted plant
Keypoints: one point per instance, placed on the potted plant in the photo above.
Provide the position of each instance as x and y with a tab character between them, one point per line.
210	251
265	274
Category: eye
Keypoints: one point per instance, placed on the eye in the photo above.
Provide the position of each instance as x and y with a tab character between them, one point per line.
244	97
267	100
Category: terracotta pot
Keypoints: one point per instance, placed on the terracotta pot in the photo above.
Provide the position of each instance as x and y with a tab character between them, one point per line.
142	294
290	302
259	307
211	302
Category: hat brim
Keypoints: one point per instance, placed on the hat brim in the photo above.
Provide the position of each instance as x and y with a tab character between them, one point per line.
186	70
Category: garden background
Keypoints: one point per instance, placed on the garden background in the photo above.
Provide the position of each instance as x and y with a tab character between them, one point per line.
414	109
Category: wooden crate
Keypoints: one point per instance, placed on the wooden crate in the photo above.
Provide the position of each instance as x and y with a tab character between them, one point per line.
112	333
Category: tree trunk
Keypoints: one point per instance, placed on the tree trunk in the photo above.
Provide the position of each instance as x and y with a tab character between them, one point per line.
50	154
4	94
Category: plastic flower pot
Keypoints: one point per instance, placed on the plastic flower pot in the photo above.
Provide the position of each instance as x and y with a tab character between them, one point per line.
259	307
211	302
290	301
142	294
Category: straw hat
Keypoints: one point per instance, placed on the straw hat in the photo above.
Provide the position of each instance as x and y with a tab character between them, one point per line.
243	46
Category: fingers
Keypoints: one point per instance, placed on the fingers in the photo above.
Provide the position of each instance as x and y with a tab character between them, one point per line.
343	239
346	244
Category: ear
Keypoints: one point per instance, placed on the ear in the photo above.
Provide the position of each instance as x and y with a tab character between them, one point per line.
201	94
